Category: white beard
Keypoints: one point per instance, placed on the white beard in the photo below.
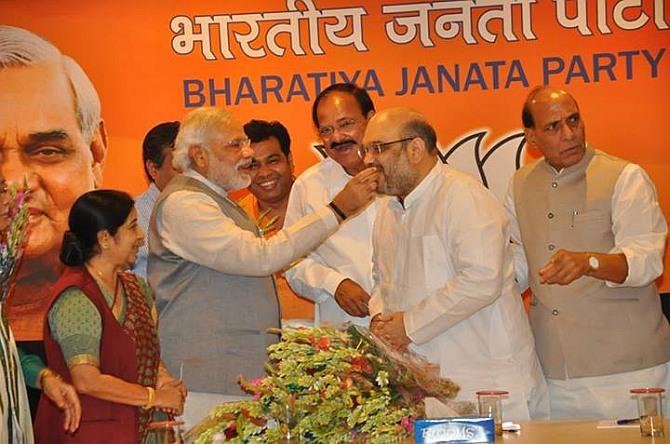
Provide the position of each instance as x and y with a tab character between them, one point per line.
227	177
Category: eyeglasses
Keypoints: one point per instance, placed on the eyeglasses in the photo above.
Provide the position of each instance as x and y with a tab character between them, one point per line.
344	126
238	144
379	147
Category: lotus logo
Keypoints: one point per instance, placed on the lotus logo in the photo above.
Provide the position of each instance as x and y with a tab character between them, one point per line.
493	166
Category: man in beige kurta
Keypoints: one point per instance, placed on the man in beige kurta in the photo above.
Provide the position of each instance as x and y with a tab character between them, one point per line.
589	237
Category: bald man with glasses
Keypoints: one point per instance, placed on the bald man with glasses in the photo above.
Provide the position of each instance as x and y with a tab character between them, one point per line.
443	270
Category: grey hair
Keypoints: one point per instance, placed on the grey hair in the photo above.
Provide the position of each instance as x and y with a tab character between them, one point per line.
195	130
19	48
419	127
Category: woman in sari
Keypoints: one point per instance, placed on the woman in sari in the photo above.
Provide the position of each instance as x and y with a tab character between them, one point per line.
101	329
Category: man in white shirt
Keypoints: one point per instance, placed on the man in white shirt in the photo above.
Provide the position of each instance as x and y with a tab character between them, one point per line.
589	237
337	276
157	151
210	267
443	270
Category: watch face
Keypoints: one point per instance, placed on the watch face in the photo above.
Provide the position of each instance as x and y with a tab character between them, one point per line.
594	263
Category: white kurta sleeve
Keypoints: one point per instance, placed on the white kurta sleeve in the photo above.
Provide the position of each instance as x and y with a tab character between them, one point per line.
476	229
639	227
376	302
311	278
520	261
206	236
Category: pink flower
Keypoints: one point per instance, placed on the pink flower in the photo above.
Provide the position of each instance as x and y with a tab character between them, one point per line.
407	423
256	383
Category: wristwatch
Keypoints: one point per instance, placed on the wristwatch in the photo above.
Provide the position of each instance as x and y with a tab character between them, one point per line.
594	263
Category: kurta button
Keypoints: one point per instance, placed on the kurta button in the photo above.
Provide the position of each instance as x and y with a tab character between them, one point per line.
550	215
551	247
554	312
554	184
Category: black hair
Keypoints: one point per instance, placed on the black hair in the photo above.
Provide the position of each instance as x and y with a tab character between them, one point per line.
260	130
526	114
157	139
361	96
91	213
422	129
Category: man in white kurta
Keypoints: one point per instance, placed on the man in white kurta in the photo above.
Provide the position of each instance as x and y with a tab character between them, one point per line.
15	427
443	270
337	275
347	254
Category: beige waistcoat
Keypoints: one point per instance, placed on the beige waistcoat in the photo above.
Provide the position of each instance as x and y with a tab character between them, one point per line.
585	328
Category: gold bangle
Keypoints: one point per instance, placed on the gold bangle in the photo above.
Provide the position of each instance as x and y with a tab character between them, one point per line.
46	371
151	394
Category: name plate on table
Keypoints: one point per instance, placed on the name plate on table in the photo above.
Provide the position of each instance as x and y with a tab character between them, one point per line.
454	430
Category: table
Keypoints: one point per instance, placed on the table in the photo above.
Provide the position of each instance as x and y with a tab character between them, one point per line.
576	432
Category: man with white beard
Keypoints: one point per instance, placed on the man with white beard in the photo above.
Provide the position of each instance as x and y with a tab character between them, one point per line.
211	269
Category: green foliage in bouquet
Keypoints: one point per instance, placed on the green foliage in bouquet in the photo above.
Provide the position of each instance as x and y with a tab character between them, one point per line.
328	385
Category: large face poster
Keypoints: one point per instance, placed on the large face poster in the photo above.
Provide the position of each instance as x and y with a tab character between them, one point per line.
467	65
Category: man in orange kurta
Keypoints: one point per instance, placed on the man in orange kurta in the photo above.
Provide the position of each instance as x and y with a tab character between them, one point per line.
271	174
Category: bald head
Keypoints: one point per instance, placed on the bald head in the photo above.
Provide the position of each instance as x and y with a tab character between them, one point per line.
401	144
554	125
541	94
402	122
397	114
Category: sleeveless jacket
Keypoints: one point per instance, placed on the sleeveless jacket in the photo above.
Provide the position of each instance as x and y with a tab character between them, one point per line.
585	328
213	325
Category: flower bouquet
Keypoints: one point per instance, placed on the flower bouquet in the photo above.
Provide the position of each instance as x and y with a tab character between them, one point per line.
330	385
12	237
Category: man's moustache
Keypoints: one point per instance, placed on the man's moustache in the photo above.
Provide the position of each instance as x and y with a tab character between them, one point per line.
342	145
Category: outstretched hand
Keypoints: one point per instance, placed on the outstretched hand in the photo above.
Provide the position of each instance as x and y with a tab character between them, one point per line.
358	192
564	267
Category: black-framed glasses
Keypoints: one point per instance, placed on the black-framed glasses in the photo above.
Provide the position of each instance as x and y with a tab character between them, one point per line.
238	144
343	126
379	147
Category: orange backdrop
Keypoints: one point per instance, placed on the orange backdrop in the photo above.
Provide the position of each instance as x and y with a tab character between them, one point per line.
615	62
